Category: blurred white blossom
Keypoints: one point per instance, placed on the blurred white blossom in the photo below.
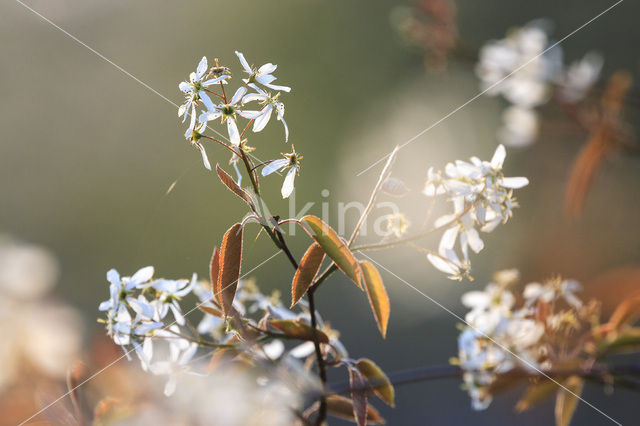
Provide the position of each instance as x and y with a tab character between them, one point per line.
500	336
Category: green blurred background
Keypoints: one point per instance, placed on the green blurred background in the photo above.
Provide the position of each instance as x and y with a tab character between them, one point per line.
87	155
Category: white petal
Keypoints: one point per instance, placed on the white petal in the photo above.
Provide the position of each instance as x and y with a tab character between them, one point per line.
250	115
143	275
215	80
202	68
254	97
184	86
274	165
232	128
105	305
475	242
263	119
209	116
286	129
265	79
303	350
205	159
244	62
498	157
442	264
274	349
113	277
206	100
449	237
237	97
475	299
514	182
287	186
267	68
278	88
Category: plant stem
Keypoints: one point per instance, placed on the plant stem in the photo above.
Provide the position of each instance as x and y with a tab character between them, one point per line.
280	242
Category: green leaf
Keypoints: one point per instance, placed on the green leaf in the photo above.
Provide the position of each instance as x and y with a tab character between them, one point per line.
230	260
335	247
298	330
378	380
306	272
377	295
234	187
566	402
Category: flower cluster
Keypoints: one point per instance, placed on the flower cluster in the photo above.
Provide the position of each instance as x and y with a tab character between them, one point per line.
145	313
482	198
500	337
198	91
525	68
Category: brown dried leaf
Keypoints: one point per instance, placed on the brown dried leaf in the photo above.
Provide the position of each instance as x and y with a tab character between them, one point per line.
358	396
234	187
566	402
306	272
536	393
334	247
230	260
378	380
210	310
298	330
377	295
342	407
625	314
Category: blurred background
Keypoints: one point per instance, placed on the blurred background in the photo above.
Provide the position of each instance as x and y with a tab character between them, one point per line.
87	155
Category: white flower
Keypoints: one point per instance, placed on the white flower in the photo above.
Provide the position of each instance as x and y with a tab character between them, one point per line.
120	289
228	112
180	354
194	89
546	293
520	61
171	292
270	102
194	133
580	77
519	126
291	160
261	75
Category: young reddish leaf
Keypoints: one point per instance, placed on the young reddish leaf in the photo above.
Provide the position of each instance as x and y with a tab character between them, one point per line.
358	396
211	311
626	313
214	273
230	260
335	247
307	270
298	330
378	380
234	187
535	394
566	402
378	298
342	407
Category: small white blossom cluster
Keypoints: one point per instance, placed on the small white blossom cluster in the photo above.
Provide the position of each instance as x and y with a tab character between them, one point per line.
482	198
500	337
145	313
524	69
137	315
199	90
